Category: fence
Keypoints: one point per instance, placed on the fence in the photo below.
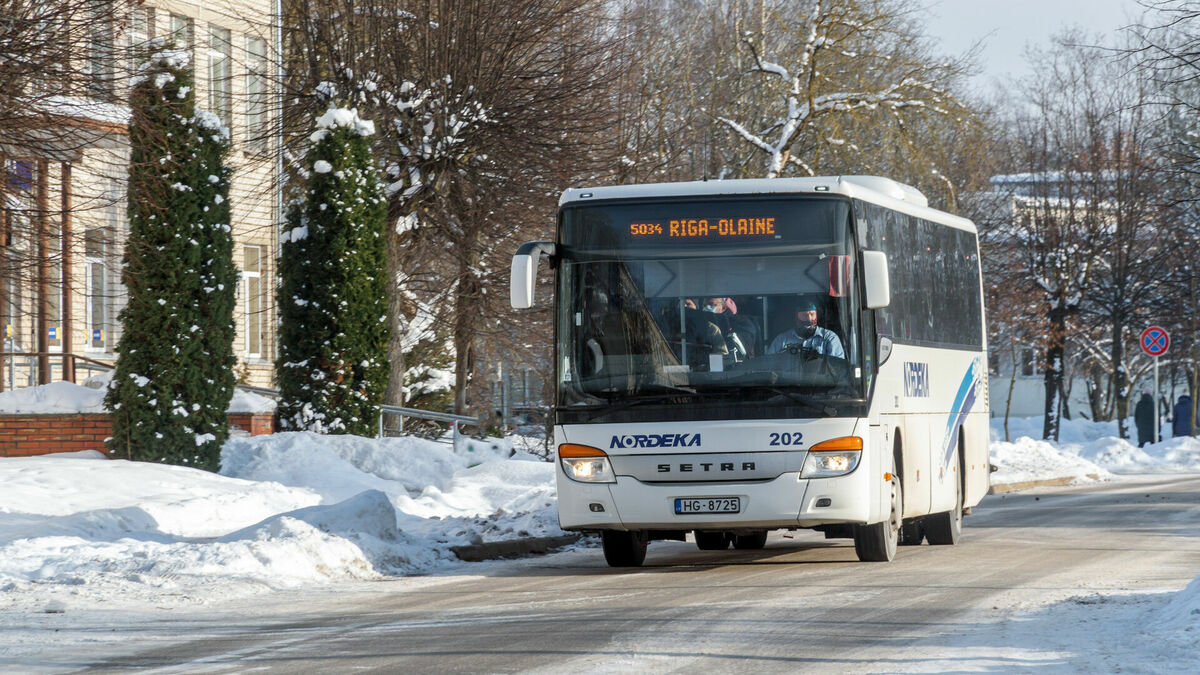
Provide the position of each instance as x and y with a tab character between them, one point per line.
455	421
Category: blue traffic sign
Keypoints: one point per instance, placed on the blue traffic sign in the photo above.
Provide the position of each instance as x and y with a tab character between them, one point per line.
1155	341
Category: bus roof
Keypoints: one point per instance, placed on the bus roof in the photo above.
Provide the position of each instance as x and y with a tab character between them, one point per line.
874	189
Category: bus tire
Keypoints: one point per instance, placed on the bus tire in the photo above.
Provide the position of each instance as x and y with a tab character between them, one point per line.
750	542
712	541
625	549
877	542
944	529
912	532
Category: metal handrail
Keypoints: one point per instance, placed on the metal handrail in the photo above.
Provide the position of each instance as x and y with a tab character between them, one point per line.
428	414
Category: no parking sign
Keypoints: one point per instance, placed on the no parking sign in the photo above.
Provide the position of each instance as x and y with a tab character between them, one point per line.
1155	341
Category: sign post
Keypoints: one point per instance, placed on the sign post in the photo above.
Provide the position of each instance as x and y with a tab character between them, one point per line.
1155	342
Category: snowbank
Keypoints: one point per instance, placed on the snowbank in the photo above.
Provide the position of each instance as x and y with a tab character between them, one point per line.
1086	451
287	510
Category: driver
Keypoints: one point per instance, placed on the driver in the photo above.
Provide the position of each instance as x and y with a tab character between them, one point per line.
808	334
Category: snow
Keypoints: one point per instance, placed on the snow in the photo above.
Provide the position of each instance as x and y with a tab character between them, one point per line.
343	117
68	398
286	510
1087	451
300	510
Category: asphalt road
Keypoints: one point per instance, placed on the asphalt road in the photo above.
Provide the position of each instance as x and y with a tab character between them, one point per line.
802	603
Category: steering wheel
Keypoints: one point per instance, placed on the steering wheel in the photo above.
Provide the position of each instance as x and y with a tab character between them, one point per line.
798	349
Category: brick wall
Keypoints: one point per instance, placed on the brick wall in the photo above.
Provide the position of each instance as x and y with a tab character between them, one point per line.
27	435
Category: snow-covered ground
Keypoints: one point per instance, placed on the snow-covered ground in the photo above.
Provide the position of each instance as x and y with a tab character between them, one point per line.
293	510
1086	451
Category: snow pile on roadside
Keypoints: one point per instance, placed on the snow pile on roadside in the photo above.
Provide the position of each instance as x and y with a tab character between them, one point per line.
290	509
1086	451
1179	620
1029	460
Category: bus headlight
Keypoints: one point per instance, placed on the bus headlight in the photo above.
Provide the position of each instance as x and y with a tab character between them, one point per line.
836	457
585	464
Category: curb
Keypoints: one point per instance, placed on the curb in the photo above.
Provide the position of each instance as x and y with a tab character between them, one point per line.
513	547
1045	482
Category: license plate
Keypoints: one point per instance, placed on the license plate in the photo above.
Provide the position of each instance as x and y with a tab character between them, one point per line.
686	505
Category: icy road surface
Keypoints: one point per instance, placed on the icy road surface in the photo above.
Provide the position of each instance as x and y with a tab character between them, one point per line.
1080	579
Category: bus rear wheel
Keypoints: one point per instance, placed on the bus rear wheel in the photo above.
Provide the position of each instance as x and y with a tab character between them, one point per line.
944	529
750	542
625	549
712	541
877	542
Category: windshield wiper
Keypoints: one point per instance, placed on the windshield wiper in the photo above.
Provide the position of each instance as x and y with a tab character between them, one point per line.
806	401
675	392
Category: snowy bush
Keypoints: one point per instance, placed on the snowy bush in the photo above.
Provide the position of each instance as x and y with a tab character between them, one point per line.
174	376
333	335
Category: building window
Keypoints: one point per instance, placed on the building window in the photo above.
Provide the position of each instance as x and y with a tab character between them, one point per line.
181	33
95	248
12	303
141	30
1028	361
220	74
252	280
99	51
256	94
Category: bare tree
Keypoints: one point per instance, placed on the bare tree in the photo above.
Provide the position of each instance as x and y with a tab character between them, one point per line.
481	106
851	60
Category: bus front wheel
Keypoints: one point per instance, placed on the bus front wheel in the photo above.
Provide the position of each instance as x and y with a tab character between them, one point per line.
877	542
625	549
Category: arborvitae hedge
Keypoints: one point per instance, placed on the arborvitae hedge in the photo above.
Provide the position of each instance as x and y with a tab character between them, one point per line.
174	377
333	334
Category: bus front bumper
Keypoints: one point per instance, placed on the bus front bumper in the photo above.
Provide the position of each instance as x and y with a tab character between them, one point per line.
784	502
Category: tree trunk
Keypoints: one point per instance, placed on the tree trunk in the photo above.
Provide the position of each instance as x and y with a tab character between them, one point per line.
1193	386
394	394
466	313
1117	355
1012	383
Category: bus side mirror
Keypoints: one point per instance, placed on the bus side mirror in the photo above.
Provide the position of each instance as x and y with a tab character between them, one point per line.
524	271
875	279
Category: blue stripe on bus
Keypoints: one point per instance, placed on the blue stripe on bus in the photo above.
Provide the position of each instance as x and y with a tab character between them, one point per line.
964	400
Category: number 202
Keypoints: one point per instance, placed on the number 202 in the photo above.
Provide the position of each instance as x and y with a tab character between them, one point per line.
786	438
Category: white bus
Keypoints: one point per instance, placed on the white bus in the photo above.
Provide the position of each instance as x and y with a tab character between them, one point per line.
735	357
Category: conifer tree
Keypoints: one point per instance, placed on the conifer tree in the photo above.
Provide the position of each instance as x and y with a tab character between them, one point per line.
334	331
174	376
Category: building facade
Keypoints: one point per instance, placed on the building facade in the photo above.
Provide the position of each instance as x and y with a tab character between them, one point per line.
63	224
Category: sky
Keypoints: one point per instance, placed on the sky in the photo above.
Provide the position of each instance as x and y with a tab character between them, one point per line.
1006	27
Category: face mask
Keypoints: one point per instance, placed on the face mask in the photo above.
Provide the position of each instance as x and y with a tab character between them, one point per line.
710	308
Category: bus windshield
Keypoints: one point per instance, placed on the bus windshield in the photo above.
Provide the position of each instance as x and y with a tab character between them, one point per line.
746	303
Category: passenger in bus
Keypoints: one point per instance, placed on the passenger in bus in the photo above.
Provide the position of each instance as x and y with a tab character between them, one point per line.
719	313
808	335
745	327
703	328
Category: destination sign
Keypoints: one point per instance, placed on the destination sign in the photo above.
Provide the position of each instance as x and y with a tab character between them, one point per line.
704	228
700	224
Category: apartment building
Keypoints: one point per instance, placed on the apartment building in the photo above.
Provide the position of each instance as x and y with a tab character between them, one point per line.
63	223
